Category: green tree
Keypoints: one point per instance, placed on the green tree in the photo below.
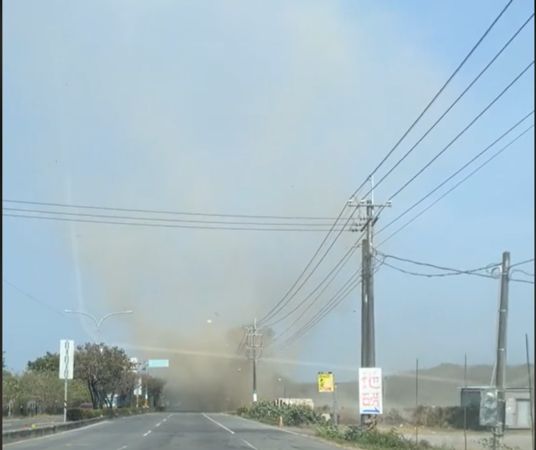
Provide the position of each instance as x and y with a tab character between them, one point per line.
107	371
50	362
11	391
156	387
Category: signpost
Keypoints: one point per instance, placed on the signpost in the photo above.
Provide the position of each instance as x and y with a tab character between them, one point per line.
156	363
66	368
370	390
326	383
153	364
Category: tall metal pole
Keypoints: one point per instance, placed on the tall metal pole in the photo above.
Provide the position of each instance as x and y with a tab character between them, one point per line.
65	399
364	304
501	346
417	402
531	399
370	288
465	406
254	345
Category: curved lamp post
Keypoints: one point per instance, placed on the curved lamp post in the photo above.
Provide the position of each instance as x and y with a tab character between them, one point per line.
98	322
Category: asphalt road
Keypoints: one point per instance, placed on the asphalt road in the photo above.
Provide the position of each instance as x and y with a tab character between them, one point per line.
166	431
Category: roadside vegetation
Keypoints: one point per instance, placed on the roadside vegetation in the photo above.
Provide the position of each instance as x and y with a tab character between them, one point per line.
104	379
303	416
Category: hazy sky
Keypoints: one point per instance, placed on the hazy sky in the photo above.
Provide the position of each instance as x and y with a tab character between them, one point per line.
262	108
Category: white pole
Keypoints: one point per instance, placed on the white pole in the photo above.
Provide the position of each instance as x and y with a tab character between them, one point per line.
65	399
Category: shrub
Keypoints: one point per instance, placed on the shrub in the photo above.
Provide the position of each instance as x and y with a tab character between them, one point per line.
74	414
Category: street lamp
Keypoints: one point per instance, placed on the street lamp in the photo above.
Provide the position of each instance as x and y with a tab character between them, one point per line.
98	322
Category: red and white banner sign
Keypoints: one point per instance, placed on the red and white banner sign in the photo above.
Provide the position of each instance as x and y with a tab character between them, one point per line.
370	390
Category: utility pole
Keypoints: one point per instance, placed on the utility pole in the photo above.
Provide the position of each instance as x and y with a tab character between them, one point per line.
368	345
501	351
254	341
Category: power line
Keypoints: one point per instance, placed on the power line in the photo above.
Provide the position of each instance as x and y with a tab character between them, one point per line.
284	300
333	274
478	116
522	262
446	180
433	275
434	98
31	297
455	186
157	211
158	225
352	278
455	102
159	219
452	271
448	269
335	300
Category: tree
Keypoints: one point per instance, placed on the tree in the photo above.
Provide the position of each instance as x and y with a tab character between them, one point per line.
11	391
107	371
155	386
47	363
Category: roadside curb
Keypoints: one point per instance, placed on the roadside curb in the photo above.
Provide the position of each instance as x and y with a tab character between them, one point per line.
16	435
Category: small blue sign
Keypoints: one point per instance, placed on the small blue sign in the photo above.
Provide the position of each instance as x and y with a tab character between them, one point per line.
154	363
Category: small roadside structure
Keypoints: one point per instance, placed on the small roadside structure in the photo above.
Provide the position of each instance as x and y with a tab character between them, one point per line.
517	414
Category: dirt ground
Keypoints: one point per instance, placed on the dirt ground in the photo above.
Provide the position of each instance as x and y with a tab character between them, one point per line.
516	439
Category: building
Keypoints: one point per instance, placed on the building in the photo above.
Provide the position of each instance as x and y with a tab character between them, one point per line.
518	408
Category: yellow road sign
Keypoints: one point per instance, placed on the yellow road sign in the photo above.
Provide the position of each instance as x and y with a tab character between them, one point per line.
325	382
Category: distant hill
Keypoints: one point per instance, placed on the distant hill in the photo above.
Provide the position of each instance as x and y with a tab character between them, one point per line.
439	386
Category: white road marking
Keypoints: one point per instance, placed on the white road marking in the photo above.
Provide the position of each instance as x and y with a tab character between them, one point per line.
148	433
268	426
248	444
218	423
58	433
122	448
158	424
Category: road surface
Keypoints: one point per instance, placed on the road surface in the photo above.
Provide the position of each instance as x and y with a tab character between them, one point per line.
167	431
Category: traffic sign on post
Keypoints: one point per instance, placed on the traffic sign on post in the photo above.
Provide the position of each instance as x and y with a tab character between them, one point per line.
66	359
325	382
370	390
154	363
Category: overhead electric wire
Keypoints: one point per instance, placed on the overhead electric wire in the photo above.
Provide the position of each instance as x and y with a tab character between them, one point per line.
453	103
434	98
446	180
157	225
474	272
157	211
475	119
330	277
335	300
341	294
160	219
522	262
455	186
285	300
419	274
31	297
353	277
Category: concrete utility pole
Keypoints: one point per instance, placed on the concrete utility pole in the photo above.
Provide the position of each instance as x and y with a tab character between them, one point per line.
368	345
501	350
254	341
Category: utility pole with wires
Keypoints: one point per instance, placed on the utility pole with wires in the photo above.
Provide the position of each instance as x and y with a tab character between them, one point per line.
366	224
500	375
254	351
